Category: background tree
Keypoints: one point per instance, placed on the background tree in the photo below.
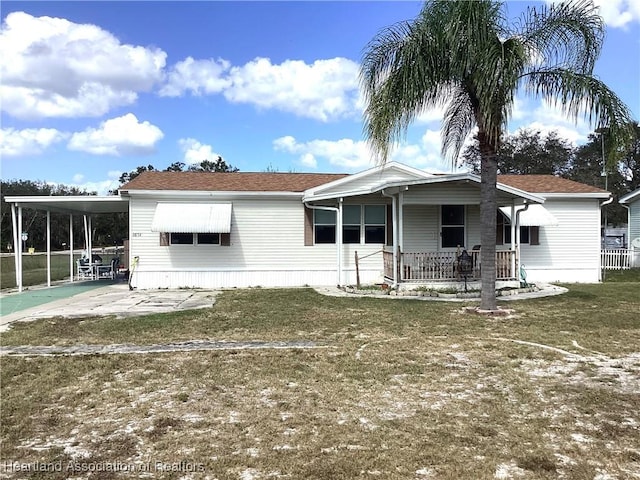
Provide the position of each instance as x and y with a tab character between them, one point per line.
35	221
622	174
468	57
208	166
526	152
175	167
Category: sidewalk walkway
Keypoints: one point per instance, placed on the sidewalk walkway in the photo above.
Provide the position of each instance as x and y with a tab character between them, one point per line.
34	296
546	290
114	299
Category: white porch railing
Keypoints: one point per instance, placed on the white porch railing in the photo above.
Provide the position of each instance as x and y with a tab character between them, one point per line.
443	266
615	259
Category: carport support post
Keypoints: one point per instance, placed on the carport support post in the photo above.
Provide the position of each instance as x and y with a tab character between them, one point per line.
71	269
19	249
90	236
48	248
86	238
17	242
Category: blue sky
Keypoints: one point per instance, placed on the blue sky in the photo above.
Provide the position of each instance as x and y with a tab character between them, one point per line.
90	89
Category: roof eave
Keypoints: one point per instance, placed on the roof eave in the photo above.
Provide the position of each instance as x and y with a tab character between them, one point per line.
209	193
455	177
630	197
568	195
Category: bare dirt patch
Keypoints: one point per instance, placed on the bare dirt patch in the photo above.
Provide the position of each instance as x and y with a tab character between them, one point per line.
400	392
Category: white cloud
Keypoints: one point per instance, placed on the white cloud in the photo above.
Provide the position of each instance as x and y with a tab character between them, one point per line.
52	67
308	160
197	77
30	141
546	117
102	187
616	13
345	153
196	152
430	116
348	154
118	136
323	90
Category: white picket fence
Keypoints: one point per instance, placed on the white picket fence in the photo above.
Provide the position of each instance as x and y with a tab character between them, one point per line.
616	259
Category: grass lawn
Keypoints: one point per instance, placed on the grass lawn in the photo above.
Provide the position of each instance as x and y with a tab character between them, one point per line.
397	389
34	269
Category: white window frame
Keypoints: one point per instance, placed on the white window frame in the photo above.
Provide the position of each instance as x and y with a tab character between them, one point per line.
362	225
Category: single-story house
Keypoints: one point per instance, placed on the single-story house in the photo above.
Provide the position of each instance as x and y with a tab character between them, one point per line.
632	203
405	226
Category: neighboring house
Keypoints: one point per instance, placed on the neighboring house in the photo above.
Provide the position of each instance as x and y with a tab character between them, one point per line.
632	202
406	226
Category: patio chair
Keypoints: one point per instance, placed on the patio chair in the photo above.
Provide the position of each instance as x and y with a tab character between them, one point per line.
84	269
109	270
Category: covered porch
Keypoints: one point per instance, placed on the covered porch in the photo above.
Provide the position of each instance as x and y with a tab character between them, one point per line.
428	267
432	221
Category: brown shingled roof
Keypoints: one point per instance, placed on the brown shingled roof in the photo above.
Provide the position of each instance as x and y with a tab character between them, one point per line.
546	184
299	182
230	182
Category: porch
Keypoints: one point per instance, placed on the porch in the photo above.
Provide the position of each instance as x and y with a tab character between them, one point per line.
426	267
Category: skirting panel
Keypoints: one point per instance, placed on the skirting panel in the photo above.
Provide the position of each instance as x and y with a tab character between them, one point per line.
551	275
145	280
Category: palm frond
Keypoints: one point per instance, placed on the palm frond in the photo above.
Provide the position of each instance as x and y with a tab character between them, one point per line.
568	34
581	94
458	122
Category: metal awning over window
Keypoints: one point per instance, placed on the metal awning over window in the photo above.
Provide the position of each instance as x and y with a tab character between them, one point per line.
534	216
192	218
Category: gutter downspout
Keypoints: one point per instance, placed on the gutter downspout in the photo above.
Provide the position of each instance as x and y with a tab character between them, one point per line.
601	274
395	237
338	245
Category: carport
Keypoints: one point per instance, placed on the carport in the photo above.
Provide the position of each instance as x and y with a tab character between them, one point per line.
85	205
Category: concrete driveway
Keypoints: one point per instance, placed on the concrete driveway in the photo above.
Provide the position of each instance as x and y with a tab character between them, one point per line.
115	299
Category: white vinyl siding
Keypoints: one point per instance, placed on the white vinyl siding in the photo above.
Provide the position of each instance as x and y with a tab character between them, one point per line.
267	235
634	221
420	228
569	251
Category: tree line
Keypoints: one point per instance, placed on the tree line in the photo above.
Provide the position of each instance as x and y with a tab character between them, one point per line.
530	152
527	152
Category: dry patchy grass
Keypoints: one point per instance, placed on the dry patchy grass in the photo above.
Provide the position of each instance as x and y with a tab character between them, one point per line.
401	389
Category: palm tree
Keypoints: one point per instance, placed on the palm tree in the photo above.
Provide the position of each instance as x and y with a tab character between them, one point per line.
467	57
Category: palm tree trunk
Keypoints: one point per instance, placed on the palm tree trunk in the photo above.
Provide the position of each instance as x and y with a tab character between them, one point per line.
488	209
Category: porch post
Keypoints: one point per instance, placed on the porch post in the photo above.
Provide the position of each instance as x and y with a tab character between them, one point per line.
400	229
48	248
394	213
515	261
71	262
339	240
